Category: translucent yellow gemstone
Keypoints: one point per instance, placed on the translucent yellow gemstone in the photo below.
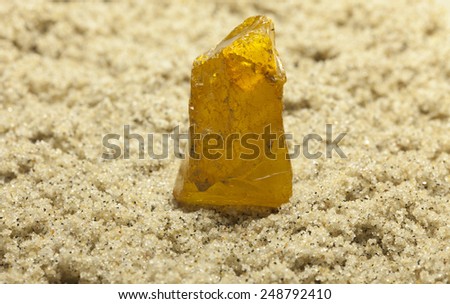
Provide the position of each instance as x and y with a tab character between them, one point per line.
236	95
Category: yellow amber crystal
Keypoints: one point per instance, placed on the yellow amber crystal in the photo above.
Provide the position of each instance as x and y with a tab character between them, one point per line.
236	94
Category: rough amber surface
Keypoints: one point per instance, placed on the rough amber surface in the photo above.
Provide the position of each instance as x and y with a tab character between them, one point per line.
236	93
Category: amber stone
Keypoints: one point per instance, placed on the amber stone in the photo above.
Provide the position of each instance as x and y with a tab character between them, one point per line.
236	92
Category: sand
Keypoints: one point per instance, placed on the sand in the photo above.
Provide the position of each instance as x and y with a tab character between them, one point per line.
73	72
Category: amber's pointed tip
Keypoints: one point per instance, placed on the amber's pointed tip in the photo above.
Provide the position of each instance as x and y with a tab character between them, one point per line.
250	24
258	23
262	18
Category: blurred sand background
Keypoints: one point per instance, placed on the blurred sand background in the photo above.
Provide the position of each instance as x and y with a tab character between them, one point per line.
72	72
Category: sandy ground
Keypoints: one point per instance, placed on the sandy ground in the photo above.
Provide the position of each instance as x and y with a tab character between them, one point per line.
72	72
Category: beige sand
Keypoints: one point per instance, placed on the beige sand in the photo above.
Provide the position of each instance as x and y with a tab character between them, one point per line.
72	72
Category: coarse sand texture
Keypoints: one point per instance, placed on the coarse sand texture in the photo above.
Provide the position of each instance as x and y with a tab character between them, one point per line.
72	72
